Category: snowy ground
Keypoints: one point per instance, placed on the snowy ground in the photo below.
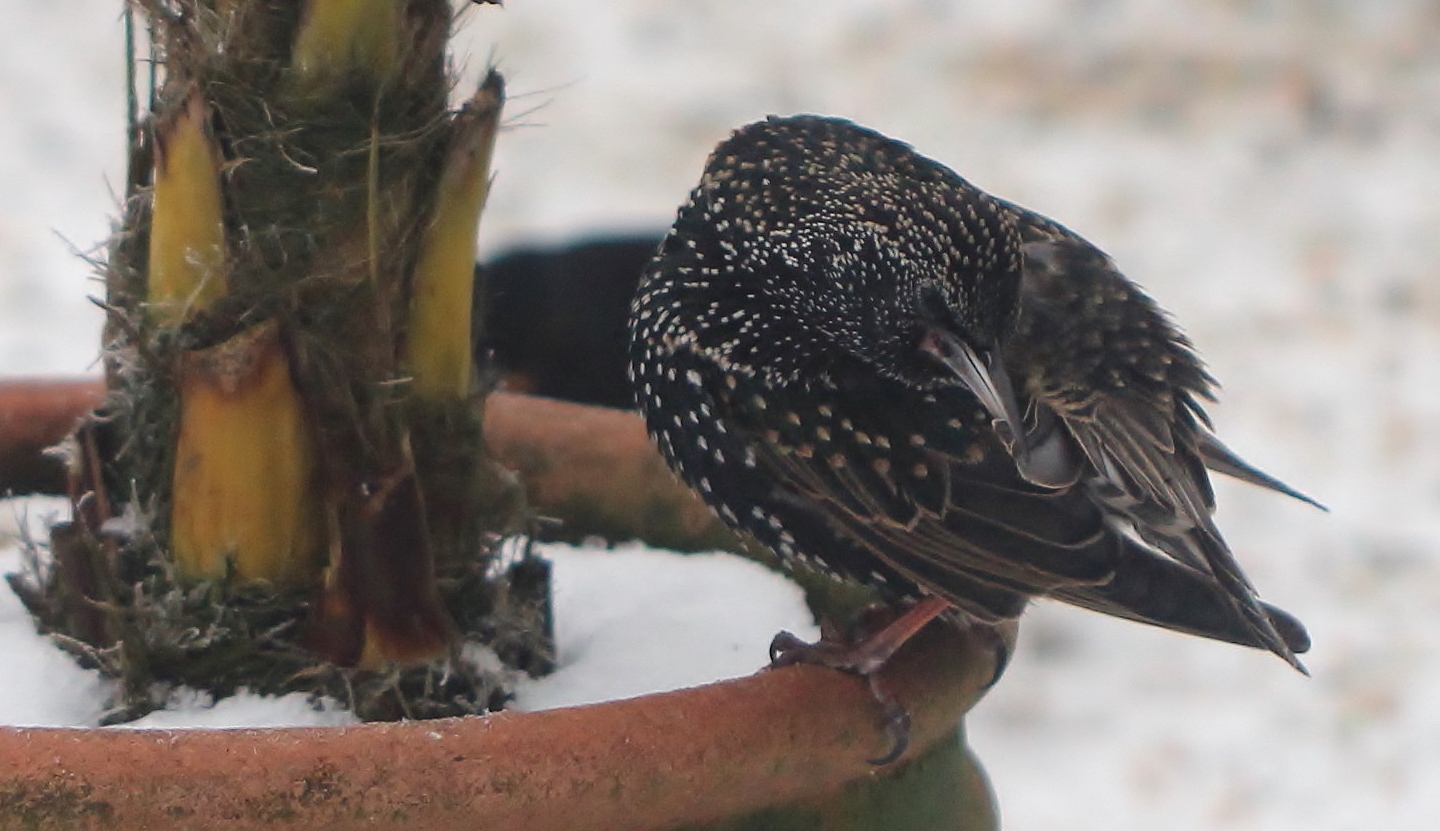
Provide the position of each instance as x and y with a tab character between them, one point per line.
650	627
1270	171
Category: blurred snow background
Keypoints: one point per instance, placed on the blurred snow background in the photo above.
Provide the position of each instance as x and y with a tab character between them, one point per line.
1270	171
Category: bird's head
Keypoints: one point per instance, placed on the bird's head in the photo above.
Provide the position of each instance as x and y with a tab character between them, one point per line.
812	242
889	294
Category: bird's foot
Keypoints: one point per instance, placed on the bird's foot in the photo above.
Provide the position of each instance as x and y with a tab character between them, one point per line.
787	650
865	657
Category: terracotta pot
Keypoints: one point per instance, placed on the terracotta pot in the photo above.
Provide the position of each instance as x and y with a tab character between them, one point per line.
35	414
787	743
779	749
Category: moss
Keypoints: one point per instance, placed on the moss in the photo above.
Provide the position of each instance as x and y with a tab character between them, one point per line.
58	803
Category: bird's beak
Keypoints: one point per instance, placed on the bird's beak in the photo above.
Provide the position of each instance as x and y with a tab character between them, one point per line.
985	376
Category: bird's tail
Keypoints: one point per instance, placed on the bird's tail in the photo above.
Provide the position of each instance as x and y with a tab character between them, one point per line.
1153	589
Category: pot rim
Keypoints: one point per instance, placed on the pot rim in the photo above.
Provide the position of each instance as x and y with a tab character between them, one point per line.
656	761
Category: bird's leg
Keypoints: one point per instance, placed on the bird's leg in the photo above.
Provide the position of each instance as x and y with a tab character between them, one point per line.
865	659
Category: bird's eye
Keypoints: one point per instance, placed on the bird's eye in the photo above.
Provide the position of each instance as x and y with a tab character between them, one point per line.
936	314
933	308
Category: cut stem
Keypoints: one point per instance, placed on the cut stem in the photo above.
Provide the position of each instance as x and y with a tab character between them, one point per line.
439	345
339	36
244	496
187	230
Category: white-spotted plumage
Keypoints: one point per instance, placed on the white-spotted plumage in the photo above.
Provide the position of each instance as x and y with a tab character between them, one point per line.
888	372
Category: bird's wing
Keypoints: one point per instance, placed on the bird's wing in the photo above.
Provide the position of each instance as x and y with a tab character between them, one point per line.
1053	252
1132	407
1222	459
985	547
970	529
1157	484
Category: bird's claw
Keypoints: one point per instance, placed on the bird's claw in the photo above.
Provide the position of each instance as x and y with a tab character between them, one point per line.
783	649
897	723
788	650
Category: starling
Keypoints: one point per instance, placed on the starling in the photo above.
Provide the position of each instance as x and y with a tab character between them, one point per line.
870	365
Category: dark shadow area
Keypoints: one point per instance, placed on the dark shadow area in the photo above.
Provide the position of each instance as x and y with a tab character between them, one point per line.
555	317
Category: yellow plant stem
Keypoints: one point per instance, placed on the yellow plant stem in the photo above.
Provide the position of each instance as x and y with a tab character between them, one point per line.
439	339
187	231
338	36
245	494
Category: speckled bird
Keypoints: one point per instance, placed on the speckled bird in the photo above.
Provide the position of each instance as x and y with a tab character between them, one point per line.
867	363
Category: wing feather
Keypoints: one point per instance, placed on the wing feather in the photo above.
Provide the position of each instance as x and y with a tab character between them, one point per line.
1138	421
